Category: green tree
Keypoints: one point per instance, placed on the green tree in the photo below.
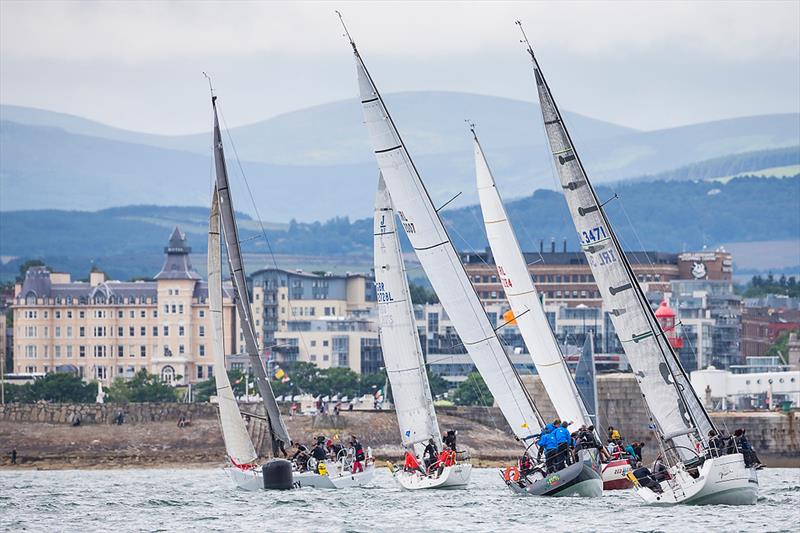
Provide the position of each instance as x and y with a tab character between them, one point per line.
369	383
438	384
56	388
780	348
203	391
143	387
422	295
339	380
473	391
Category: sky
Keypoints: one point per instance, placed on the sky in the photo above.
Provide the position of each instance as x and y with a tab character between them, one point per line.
649	65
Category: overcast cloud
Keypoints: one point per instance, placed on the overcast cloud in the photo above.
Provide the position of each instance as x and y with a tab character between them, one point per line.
137	65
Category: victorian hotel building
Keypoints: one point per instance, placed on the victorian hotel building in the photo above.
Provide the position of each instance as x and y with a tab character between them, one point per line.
107	329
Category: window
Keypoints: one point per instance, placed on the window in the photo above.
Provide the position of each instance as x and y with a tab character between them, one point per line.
181	349
166	308
81	331
30	351
324	343
168	375
143	313
57	350
99	351
174	310
142	331
202	331
69	351
69	314
120	313
120	351
313	357
313	343
181	331
155	331
199	371
202	313
81	314
180	309
82	351
202	350
120	331
58	331
131	314
167	352
325	357
155	313
166	331
58	314
143	351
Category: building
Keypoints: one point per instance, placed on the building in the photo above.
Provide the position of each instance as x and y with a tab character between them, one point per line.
320	318
724	390
761	327
104	329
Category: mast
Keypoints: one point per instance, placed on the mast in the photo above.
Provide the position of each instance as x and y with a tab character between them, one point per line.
402	353
512	271
238	445
425	230
665	386
277	428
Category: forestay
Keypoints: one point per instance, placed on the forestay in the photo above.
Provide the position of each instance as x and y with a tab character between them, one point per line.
441	263
512	271
238	445
402	353
670	398
231	233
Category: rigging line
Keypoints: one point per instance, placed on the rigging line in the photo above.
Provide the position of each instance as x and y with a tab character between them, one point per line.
249	190
448	201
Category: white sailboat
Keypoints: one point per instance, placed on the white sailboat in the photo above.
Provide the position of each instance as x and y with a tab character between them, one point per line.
697	474
243	471
526	306
402	355
439	259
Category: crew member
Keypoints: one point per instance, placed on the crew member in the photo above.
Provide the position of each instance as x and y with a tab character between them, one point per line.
430	454
358	454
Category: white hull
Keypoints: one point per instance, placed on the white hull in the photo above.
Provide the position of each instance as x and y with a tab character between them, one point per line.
452	477
615	474
254	479
722	481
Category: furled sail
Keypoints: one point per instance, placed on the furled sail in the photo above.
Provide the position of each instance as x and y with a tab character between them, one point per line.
512	271
674	406
585	380
402	353
231	233
442	264
238	445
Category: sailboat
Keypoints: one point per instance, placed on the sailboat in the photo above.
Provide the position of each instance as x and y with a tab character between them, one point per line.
512	271
242	469
439	259
405	364
697	473
615	471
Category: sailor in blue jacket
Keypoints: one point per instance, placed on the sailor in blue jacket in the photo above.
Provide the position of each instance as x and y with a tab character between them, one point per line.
563	440
548	442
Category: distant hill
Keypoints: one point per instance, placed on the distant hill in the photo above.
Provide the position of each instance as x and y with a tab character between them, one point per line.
315	164
663	215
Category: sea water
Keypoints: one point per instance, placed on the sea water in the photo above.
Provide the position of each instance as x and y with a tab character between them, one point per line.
205	500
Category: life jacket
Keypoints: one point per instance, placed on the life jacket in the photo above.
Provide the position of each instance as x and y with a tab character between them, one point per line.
359	451
411	462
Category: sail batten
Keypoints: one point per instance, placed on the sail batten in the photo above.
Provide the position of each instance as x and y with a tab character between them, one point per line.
666	389
441	263
402	352
238	445
277	428
512	271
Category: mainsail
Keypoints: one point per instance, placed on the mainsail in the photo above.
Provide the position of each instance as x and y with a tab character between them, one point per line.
512	271
585	380
402	353
238	445
277	428
441	262
672	402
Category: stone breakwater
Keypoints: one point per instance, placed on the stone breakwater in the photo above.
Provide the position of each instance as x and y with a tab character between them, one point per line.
44	437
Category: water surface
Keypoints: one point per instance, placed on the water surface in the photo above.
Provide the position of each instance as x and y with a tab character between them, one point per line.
204	500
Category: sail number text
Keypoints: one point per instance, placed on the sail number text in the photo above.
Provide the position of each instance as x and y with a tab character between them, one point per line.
407	225
593	235
504	279
381	292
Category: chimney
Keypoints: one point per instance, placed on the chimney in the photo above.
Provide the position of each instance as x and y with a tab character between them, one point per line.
565	245
541	246
552	245
96	278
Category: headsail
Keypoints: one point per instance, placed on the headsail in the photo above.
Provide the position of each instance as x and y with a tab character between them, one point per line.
238	445
442	264
665	386
586	380
402	353
524	299
231	233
